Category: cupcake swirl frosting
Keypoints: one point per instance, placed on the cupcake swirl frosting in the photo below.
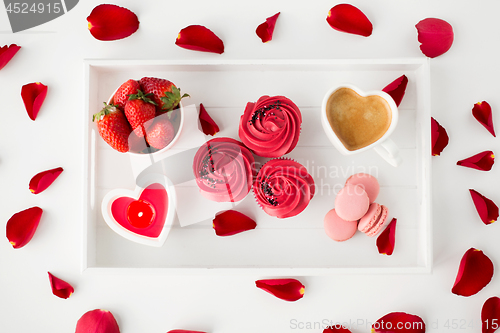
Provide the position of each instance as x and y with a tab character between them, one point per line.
271	126
283	188
224	170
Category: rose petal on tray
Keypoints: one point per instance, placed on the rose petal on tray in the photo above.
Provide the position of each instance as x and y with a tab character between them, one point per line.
60	288
286	289
22	226
435	35
199	38
482	112
439	137
337	328
33	95
397	88
7	53
482	161
347	18
97	321
396	322
490	315
110	22
208	125
232	222
387	239
266	29
41	181
184	331
474	273
487	210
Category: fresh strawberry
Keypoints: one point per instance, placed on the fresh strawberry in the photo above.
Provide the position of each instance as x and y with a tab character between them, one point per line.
113	127
138	110
165	94
121	95
160	133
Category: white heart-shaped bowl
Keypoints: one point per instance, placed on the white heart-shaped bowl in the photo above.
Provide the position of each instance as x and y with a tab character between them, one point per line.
144	182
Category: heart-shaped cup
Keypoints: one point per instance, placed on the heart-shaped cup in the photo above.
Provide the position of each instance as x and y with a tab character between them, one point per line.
355	121
144	215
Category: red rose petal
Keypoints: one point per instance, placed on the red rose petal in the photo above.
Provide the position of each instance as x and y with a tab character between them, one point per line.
22	226
33	95
97	321
435	36
482	161
111	22
396	322
439	137
347	18
208	125
387	239
396	89
44	179
60	288
232	222
285	289
266	29
474	273
7	53
199	38
336	329
482	112
184	331
490	315
487	210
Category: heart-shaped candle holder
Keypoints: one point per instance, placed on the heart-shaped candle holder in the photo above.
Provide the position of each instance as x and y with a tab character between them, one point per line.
144	215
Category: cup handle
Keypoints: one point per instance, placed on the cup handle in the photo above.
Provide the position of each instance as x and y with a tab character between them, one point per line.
389	152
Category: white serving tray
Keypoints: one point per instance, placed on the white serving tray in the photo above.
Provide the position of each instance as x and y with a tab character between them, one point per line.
289	247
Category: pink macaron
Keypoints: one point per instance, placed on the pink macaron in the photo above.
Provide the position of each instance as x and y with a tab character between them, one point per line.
351	203
338	229
374	220
368	182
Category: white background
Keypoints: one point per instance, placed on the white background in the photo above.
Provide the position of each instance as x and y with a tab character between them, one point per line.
53	54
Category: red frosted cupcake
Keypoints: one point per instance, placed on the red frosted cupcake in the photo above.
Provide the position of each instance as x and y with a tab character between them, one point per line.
224	170
283	188
271	126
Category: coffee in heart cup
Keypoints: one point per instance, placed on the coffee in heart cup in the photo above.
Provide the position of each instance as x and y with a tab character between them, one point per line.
355	121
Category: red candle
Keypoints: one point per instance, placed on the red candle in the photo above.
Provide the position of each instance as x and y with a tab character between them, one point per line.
140	214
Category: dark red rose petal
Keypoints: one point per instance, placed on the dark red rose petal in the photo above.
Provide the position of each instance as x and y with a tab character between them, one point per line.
208	125
396	322
387	239
474	273
60	288
285	289
347	18
33	95
439	137
111	22
44	179
7	53
22	226
199	38
336	329
490	315
396	89
482	161
266	29
435	36
232	222
97	321
487	210
482	112
184	331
